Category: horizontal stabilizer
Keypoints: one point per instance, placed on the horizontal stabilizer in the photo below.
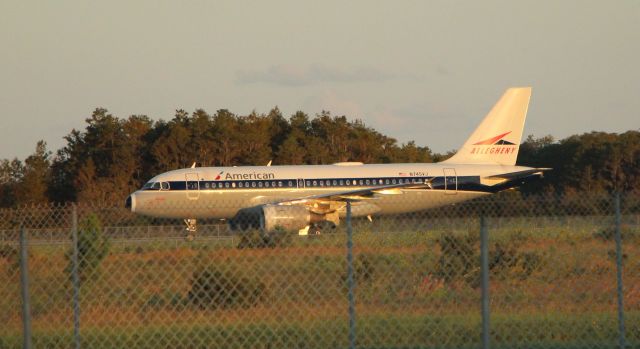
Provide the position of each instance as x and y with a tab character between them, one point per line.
519	174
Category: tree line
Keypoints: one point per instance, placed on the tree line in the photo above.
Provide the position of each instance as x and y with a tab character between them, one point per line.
114	156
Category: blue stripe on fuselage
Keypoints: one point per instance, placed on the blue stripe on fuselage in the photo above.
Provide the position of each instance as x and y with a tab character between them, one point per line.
464	183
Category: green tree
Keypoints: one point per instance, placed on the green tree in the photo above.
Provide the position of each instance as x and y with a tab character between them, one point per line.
135	150
33	185
334	136
226	135
291	151
172	149
412	153
112	156
278	128
10	175
109	157
202	143
255	143
93	248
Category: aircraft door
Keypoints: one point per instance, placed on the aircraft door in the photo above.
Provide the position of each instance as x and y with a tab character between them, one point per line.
450	181
192	185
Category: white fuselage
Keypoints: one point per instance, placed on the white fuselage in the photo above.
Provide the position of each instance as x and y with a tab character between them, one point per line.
220	192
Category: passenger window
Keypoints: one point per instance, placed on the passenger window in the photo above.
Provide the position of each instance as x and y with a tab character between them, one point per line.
335	183
260	184
308	183
290	184
393	181
280	184
226	185
253	184
348	182
322	183
315	183
239	184
233	184
386	181
367	182
246	184
266	184
273	184
341	182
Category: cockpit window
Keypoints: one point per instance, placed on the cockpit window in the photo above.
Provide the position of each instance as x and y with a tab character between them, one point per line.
153	186
164	185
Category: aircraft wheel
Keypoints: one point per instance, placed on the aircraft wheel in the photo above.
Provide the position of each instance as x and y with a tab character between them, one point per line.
315	230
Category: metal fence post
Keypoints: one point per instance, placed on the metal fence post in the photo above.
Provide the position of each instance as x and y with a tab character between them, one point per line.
350	280
75	277
484	270
619	273
24	280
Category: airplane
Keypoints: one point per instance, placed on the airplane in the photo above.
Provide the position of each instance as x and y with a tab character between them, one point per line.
308	197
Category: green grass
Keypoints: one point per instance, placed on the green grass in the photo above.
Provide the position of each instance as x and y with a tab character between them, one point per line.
551	287
380	331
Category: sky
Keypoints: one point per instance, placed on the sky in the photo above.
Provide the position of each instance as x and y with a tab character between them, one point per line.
414	70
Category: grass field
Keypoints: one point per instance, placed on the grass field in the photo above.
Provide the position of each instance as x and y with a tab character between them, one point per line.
552	286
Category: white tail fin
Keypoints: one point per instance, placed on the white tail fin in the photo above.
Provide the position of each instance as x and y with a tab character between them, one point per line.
497	138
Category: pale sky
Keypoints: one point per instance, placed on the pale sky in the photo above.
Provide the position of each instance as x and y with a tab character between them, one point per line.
415	70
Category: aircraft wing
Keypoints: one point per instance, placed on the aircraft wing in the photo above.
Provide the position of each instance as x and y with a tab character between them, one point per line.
356	195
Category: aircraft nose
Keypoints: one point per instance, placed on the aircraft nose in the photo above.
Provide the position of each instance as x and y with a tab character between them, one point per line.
130	203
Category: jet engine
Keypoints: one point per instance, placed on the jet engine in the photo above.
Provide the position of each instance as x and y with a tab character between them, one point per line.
270	217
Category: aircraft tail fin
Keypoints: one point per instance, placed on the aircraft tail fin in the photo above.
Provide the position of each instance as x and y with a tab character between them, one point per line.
497	138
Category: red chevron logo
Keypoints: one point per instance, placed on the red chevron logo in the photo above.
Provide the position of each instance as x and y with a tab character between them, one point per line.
495	140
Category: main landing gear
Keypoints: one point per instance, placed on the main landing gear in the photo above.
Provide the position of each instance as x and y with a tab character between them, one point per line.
191	228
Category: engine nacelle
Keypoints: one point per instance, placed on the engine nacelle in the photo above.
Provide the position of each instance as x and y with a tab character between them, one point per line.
270	217
287	217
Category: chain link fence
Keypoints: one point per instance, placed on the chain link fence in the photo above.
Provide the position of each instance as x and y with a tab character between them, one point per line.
559	272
